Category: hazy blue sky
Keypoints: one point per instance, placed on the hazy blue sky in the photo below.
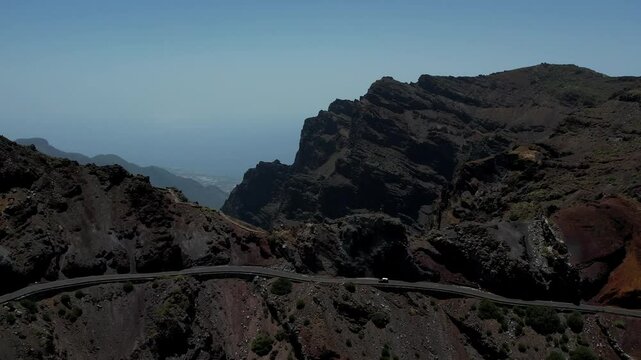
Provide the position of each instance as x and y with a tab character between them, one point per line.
216	86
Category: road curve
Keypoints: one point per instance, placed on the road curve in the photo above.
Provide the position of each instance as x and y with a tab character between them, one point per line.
239	271
240	225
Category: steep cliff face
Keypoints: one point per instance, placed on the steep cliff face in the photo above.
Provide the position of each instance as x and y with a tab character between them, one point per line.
466	164
59	219
403	148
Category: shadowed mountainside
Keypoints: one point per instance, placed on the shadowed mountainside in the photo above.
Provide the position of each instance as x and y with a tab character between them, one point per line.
59	219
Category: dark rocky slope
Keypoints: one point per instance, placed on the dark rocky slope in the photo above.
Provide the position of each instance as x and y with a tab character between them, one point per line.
475	168
207	195
59	219
186	318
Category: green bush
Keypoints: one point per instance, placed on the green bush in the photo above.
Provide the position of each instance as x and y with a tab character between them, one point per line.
518	330
300	304
386	354
30	305
489	310
262	344
555	355
10	318
564	339
575	322
74	314
79	294
65	300
582	353
620	324
543	320
280	335
128	287
349	286
379	319
281	287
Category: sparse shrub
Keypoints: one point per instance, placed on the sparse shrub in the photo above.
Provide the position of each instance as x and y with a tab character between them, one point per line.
543	320
281	287
74	314
564	339
518	330
280	335
577	96
65	300
620	324
503	327
379	319
170	319
582	353
10	318
523	211
349	286
522	347
555	355
631	96
300	304
348	343
489	310
328	354
79	294
519	311
575	322
128	287
262	344
62	312
504	350
386	354
46	317
29	305
306	322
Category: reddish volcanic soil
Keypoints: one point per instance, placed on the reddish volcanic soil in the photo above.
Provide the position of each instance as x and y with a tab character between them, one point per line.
604	241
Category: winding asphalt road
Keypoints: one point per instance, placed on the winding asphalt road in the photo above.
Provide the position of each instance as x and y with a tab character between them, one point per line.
243	271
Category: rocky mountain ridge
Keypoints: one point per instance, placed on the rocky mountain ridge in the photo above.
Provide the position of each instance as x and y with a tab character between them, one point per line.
207	195
480	171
